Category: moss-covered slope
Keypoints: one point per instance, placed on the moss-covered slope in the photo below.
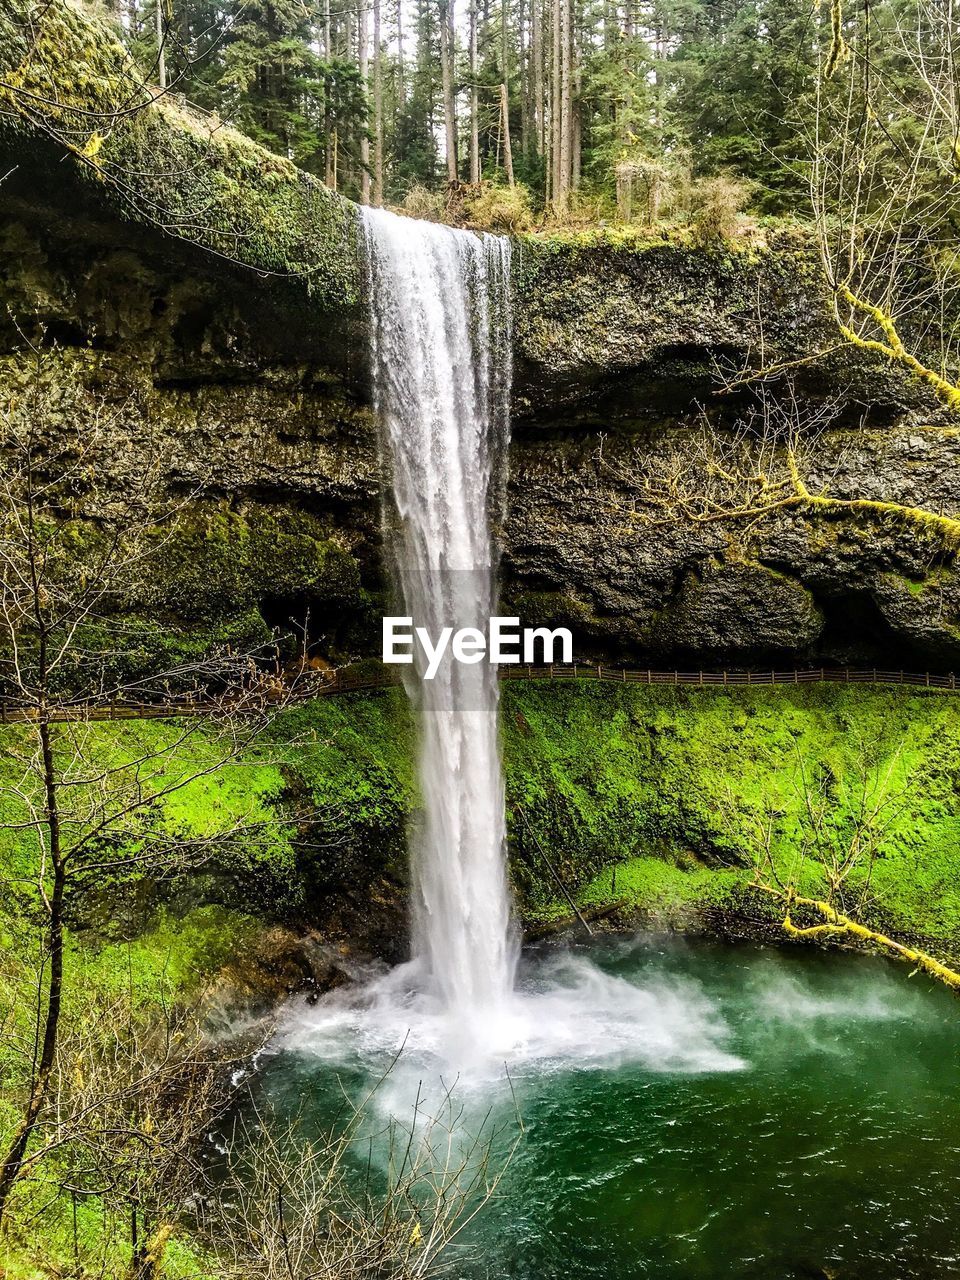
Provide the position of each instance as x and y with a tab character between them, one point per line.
647	801
70	87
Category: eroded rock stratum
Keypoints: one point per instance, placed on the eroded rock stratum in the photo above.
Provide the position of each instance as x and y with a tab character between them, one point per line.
218	305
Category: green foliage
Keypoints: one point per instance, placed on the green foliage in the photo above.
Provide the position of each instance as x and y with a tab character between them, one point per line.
648	780
420	202
644	799
688	87
610	775
66	74
716	204
499	208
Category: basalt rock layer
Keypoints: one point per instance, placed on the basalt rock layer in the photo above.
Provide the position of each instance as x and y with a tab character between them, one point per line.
217	305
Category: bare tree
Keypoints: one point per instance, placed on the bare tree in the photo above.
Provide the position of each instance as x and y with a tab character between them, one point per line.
133	1096
65	583
823	873
297	1210
883	184
757	471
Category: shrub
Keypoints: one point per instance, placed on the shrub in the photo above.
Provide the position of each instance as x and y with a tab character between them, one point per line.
716	204
491	207
420	202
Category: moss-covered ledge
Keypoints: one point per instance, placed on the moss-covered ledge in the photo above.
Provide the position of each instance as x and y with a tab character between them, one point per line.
622	323
98	162
67	80
605	320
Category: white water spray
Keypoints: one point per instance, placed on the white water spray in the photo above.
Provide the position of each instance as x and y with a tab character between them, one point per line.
441	347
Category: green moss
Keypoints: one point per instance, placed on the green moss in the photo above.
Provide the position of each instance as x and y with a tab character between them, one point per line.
654	779
661	783
668	891
166	165
222	560
641	796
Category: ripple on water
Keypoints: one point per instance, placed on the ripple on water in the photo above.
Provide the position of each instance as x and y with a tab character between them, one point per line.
689	1114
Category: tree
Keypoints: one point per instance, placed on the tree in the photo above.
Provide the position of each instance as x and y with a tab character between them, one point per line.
474	71
65	583
294	1209
823	873
447	48
377	107
884	165
760	470
363	62
505	93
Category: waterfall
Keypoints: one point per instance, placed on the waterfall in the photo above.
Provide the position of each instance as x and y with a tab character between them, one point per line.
440	355
440	362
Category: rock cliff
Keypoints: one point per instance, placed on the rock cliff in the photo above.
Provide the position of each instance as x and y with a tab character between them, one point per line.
217	304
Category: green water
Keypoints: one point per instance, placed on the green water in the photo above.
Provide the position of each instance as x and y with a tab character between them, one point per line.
817	1135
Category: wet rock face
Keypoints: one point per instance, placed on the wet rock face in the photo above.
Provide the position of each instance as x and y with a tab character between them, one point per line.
257	395
639	330
641	584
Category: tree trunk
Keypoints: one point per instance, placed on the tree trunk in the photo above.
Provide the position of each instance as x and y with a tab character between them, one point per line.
526	98
575	158
13	1164
474	99
377	109
555	96
342	165
575	139
536	55
505	89
624	193
446	75
328	173
363	61
401	77
507	148
161	47
565	123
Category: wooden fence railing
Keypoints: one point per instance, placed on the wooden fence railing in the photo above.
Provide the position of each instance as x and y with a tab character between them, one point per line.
350	680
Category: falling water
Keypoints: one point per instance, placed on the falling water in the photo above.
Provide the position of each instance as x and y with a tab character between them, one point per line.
440	350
